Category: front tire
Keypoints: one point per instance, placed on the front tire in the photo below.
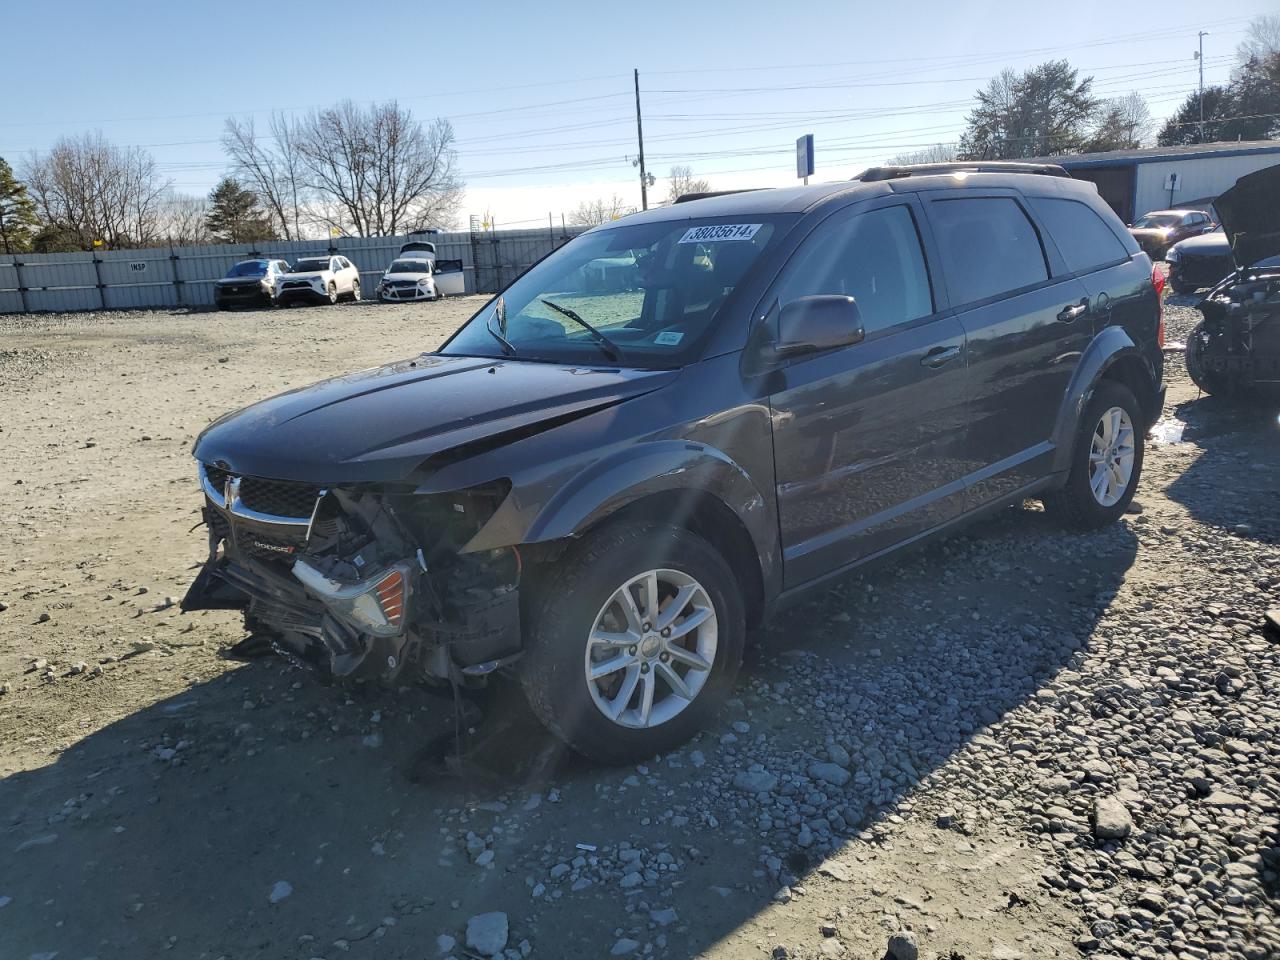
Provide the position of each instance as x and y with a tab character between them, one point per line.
1200	375
635	641
1106	460
333	293
1182	288
355	291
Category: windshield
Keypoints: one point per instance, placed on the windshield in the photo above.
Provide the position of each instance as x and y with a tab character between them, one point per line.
308	266
249	268
639	295
409	266
1159	220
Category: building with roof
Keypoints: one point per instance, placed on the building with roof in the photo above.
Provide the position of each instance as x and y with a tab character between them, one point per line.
1134	182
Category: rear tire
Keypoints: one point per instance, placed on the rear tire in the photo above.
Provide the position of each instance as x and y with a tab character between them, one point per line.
579	627
1104	474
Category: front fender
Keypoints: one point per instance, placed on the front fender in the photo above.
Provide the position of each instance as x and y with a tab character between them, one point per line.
1112	345
627	476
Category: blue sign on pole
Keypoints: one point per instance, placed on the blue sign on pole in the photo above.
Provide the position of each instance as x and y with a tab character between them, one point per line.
804	156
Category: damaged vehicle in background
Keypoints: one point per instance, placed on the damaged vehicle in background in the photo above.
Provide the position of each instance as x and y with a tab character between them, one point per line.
319	279
1235	349
601	489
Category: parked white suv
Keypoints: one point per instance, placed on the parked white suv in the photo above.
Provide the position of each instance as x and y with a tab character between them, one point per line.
321	279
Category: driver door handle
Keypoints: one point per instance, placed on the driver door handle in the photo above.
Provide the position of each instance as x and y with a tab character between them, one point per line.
940	355
1073	311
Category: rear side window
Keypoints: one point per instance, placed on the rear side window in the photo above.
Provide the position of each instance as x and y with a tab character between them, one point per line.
989	247
1083	237
874	257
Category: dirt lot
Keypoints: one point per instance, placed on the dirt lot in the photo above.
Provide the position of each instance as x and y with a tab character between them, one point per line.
938	749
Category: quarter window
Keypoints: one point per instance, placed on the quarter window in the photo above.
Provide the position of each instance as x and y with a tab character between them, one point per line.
874	257
989	247
1082	236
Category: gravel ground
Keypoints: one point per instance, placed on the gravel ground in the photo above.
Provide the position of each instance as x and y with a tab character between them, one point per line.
1013	743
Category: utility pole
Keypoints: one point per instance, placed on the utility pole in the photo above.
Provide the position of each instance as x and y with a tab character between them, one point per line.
1200	58
644	177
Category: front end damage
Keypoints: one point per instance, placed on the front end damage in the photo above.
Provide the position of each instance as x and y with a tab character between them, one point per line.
1236	348
362	581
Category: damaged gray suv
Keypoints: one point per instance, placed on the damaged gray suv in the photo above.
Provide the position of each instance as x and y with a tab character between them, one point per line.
681	420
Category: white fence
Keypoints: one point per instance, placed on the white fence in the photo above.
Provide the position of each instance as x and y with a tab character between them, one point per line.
184	276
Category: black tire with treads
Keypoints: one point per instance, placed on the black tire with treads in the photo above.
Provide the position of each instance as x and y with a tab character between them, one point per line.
561	618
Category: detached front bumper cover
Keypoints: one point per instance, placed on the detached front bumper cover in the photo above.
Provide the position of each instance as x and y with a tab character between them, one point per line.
376	605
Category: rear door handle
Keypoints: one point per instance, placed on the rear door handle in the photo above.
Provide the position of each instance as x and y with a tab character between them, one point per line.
1073	311
937	356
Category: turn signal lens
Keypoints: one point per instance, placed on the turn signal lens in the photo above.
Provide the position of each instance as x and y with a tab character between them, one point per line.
390	593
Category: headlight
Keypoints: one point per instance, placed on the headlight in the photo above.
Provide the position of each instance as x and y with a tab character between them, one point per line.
425	283
376	605
1172	255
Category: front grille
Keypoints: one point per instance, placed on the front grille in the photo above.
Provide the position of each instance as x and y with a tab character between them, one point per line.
281	498
297	285
217	477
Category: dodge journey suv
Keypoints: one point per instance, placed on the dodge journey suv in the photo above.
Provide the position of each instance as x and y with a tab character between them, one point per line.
601	487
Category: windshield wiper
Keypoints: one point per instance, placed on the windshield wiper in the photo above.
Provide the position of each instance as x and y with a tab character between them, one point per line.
607	346
508	347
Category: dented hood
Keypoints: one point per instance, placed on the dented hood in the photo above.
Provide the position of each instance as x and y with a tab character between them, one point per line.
1250	215
378	425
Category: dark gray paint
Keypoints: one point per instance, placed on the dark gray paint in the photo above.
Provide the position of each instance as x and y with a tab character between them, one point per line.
874	445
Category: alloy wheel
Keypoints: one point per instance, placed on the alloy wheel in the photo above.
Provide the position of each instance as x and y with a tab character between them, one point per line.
651	649
1111	456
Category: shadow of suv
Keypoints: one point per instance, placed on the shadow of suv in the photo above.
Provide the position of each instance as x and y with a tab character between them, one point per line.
602	488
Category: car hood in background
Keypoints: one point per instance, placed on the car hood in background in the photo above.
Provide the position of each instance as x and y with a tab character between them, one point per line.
1206	245
302	276
238	281
379	425
406	276
1250	214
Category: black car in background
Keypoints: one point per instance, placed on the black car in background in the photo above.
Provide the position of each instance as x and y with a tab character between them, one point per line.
250	283
1199	262
1235	349
601	489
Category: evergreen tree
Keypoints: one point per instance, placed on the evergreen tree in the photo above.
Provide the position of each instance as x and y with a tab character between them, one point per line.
1042	111
18	218
235	215
1247	108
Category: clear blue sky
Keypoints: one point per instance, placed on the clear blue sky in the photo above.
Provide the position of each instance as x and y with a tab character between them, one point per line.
540	93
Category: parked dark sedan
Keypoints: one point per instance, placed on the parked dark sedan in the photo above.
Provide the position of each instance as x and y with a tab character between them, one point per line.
1157	231
249	283
602	489
1199	261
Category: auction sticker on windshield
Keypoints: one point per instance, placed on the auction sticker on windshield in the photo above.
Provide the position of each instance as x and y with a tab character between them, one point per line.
721	231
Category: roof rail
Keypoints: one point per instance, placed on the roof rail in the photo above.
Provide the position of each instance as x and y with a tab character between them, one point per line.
688	197
959	166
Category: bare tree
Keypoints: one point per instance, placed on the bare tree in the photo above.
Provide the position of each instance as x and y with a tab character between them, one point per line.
683	181
385	171
271	165
181	220
95	190
938	153
590	213
1261	40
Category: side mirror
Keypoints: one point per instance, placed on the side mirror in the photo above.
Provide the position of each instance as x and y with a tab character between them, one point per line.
814	324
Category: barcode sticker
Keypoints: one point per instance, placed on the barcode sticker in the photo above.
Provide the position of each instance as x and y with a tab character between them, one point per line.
721	231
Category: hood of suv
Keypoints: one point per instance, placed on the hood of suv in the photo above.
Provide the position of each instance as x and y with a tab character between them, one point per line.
1250	215
377	425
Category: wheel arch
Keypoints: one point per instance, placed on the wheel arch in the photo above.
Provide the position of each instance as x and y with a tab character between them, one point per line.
1112	355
